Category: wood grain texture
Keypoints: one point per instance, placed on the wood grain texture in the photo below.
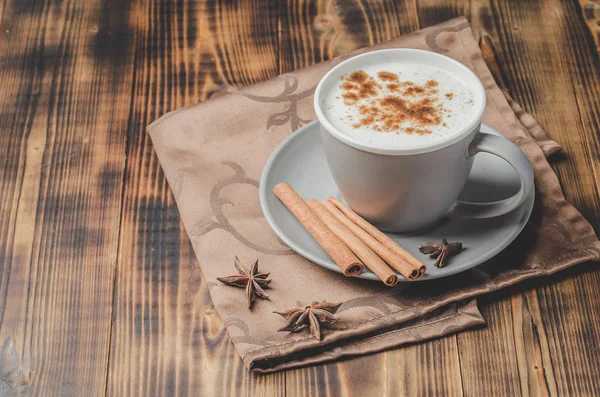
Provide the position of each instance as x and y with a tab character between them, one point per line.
334	379
63	104
315	31
488	358
81	192
428	369
539	75
590	10
432	12
551	70
531	346
167	338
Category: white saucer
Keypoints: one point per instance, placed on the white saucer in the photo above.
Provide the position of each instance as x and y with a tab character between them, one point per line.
300	161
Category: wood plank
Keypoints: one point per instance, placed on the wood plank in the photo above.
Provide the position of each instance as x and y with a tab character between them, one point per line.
531	345
167	337
534	60
511	356
63	101
575	341
573	336
427	369
590	9
362	376
487	356
315	31
432	12
584	70
549	65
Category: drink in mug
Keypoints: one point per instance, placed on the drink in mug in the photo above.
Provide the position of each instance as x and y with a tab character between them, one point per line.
399	105
400	129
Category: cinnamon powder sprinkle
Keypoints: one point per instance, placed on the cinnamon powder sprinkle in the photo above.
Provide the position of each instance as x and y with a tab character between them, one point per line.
358	77
387	76
359	85
420	131
420	112
413	90
450	95
368	113
350	97
417	104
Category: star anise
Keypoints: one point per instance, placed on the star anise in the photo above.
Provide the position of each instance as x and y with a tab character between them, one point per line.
315	316
440	251
252	280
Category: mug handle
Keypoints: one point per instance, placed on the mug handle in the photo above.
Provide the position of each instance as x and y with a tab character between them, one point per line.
505	149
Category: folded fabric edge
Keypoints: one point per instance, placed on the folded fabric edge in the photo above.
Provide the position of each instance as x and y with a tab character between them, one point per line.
254	359
466	316
548	145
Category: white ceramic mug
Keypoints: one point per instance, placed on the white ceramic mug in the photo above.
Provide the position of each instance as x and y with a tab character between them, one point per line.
402	190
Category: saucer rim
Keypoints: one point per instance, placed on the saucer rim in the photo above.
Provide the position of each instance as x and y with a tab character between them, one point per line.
526	206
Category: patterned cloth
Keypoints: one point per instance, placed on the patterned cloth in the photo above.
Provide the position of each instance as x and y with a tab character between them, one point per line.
213	154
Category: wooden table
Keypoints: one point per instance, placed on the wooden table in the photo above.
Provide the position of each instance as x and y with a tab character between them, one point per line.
100	292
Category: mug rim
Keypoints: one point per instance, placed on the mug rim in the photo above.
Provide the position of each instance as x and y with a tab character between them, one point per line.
425	148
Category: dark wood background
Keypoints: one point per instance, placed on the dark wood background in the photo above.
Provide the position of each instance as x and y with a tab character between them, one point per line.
100	292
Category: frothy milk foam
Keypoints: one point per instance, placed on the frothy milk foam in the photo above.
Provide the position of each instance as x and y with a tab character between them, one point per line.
399	105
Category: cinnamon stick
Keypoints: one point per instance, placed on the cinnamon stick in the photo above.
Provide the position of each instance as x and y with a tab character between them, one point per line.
356	245
337	250
379	235
392	259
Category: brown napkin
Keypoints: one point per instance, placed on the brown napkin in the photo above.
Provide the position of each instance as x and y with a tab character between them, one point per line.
213	154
